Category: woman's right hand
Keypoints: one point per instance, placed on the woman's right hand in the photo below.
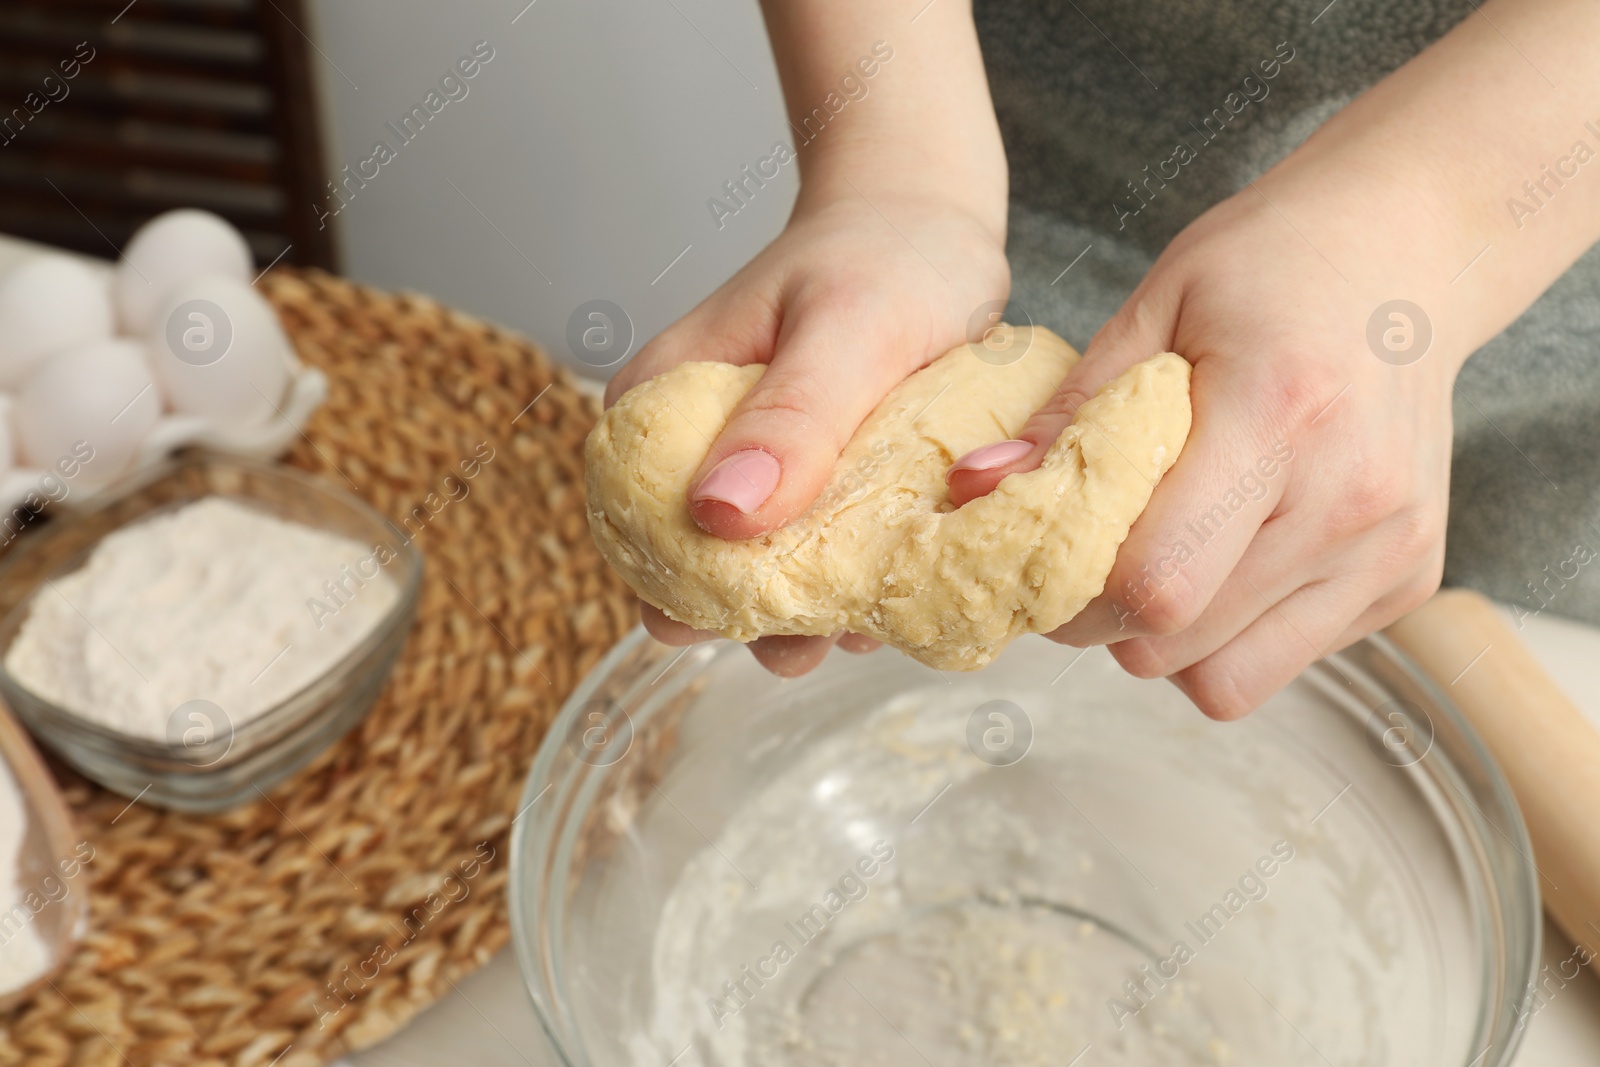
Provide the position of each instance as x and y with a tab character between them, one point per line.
893	254
860	290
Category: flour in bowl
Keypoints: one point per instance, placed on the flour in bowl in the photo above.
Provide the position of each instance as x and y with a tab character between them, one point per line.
215	601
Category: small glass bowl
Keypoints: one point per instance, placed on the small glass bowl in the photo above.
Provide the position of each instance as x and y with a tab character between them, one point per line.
212	766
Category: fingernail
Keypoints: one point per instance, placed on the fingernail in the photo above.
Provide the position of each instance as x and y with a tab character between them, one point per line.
989	457
745	480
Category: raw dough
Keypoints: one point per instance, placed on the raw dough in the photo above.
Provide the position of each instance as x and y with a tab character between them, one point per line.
882	552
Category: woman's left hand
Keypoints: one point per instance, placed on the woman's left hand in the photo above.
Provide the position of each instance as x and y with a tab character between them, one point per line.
1308	507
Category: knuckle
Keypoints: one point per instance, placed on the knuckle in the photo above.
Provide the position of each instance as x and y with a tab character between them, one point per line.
1303	396
1433	574
788	397
1417	534
1141	658
1215	691
1058	411
1372	493
1166	607
1398	602
1416	593
1300	391
1142	316
1065	635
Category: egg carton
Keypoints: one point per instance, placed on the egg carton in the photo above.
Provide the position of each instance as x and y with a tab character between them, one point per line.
307	389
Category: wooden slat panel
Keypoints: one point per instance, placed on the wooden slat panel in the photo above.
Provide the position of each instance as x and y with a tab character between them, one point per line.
44	59
133	88
154	190
45	156
135	91
137	141
64	228
169	11
243	116
200	43
201	103
295	121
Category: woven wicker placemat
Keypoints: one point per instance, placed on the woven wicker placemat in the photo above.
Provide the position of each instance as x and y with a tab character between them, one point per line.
324	916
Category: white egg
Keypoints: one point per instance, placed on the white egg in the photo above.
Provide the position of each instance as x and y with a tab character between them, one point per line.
172	249
48	304
93	404
218	351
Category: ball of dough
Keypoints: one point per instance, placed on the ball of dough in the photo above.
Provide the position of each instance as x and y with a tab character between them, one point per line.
882	552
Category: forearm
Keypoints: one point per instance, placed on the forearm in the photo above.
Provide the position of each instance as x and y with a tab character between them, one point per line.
920	123
1411	181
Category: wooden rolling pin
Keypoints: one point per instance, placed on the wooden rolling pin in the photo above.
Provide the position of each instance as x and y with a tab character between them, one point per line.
1548	750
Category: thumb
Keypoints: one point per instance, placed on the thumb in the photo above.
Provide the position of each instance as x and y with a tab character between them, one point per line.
832	363
1128	338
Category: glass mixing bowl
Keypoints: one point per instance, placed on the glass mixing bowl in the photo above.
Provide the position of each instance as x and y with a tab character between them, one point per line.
1046	862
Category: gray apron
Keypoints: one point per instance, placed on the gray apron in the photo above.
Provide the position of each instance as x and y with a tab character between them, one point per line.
1091	94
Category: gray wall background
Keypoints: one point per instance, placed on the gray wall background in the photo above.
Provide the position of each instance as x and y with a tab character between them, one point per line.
587	147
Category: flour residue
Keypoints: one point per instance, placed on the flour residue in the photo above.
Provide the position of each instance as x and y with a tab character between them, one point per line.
964	933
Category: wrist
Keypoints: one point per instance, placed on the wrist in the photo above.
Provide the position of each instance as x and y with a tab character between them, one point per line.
889	113
1393	228
907	175
1451	179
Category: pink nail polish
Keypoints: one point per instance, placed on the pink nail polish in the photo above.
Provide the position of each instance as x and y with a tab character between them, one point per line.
745	479
991	456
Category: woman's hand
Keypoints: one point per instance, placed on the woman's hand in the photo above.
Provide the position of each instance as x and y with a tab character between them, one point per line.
897	240
1326	309
848	301
1308	508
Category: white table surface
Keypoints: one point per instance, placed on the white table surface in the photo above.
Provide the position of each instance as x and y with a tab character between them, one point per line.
490	1015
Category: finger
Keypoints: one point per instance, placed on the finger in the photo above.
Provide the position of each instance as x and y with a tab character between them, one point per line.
1309	624
1140	330
1408	597
1383	579
720	329
1277	562
791	656
1268	655
1248	603
1273	567
1229	480
859	643
670	631
836	358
